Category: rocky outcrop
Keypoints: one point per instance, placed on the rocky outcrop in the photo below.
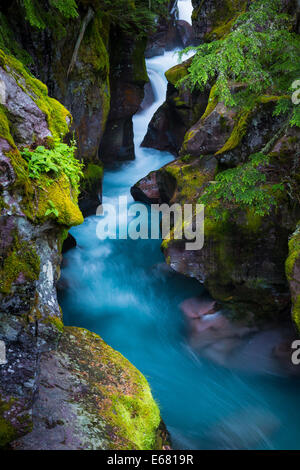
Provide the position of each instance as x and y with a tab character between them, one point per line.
244	255
180	111
243	258
91	398
183	108
76	73
38	206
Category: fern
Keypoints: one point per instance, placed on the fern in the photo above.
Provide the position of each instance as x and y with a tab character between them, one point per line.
133	17
260	52
244	186
54	162
67	8
52	209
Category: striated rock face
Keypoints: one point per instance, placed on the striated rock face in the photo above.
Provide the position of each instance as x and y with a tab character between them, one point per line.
35	410
128	77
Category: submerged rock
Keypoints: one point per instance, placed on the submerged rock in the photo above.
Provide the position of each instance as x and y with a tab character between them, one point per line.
197	308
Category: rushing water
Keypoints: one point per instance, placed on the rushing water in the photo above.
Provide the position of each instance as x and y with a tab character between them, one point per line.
123	290
185	8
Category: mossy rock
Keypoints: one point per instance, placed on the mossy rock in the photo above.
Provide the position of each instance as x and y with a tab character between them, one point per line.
92	179
178	72
107	403
13	422
20	264
58	117
293	275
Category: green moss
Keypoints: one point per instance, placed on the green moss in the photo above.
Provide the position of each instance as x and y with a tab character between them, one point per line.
176	73
37	194
223	17
56	114
118	394
254	221
138	416
59	192
292	274
92	177
189	179
188	136
7	431
93	50
212	103
140	74
22	260
238	133
270	98
296	312
5	132
9	44
221	30
55	321
294	254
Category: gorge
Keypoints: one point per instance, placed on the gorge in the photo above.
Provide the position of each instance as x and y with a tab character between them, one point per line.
215	353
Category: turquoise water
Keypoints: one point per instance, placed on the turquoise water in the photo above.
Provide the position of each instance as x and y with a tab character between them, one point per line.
123	290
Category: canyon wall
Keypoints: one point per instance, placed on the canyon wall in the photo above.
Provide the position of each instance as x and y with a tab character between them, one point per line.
243	262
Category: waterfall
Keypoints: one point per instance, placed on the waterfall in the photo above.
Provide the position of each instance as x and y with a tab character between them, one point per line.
185	9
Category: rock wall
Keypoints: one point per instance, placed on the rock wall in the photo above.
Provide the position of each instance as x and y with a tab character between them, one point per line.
242	263
128	77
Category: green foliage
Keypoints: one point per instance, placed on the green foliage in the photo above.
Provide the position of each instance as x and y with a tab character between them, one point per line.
52	209
67	8
55	161
245	186
260	52
8	43
37	16
134	17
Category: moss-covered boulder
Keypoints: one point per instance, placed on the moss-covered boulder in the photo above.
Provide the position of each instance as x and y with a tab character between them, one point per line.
91	397
293	275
